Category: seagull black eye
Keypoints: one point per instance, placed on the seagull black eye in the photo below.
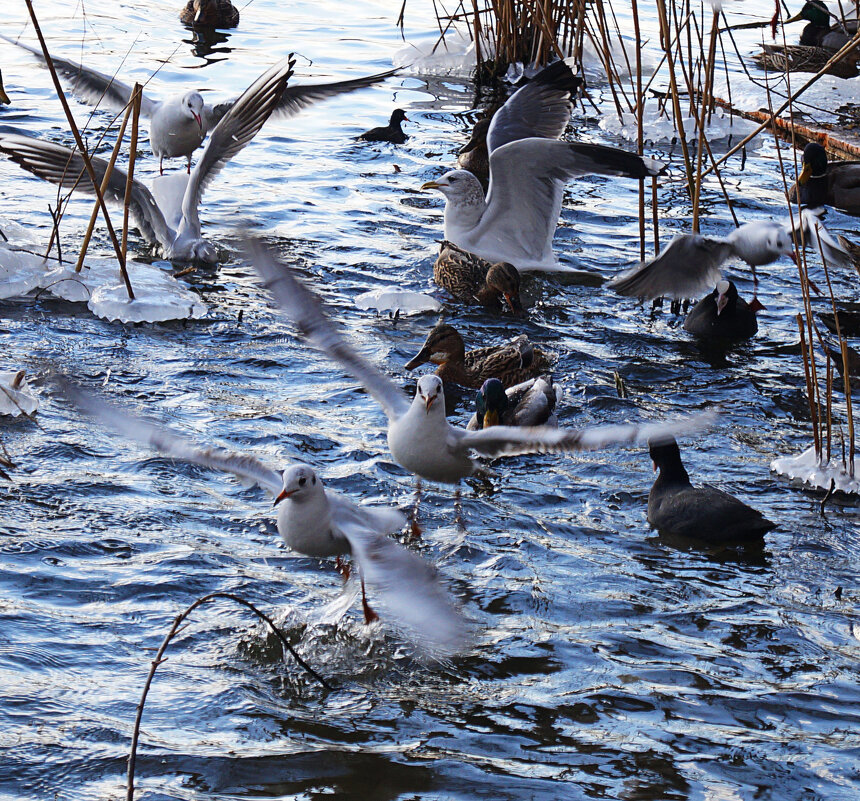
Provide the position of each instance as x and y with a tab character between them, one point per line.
302	481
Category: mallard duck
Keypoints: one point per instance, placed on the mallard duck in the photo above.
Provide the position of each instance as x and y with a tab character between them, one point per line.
512	362
472	279
723	315
4	98
826	183
531	403
676	507
388	133
209	14
474	156
819	32
849	320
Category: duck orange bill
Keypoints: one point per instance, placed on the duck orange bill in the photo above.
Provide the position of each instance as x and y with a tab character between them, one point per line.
756	306
796	18
284	494
805	174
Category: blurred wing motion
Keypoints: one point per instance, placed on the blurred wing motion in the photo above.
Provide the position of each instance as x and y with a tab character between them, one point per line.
817	237
688	266
512	441
305	310
401	582
248	469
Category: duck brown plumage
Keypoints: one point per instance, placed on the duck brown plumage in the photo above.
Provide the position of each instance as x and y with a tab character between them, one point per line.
471	279
209	14
512	363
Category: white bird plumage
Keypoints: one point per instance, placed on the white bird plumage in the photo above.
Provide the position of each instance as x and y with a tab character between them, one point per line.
318	522
419	436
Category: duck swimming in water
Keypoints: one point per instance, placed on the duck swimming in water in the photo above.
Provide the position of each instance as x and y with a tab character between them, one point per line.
531	403
209	14
723	315
471	279
826	183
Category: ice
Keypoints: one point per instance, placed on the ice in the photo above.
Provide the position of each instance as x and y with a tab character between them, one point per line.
395	299
809	470
16	396
454	55
661	127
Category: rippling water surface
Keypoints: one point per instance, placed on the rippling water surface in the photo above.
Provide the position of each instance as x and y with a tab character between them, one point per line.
610	663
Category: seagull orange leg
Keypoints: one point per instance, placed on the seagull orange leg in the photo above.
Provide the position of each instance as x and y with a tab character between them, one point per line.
342	567
369	614
415	533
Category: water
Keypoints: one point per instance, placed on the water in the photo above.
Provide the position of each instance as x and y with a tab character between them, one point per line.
610	663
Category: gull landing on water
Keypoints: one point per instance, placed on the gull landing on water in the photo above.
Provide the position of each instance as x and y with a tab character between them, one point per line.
420	438
167	216
319	522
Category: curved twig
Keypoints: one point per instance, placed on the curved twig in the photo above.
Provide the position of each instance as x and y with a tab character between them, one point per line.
159	658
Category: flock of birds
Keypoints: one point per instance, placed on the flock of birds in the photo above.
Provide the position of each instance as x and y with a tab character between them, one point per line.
501	211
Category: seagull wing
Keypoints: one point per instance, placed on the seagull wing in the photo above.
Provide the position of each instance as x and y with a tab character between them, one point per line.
297	98
817	237
91	86
406	586
540	108
248	469
65	167
511	441
238	127
688	266
306	311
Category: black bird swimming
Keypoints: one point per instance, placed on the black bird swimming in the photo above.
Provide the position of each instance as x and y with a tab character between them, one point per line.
704	513
723	315
388	133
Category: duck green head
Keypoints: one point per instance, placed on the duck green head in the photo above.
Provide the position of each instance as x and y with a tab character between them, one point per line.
814	162
814	11
490	402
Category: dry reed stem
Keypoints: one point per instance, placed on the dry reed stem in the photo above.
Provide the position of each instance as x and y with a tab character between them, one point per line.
137	96
80	144
159	658
712	51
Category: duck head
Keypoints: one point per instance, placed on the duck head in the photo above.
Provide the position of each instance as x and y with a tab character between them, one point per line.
491	401
300	484
398	116
666	457
443	344
430	395
814	163
815	12
479	137
503	280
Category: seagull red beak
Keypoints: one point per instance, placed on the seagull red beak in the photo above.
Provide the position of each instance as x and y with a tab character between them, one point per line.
284	494
198	118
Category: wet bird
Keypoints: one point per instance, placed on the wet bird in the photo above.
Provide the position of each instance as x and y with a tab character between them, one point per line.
826	183
692	263
723	315
472	279
420	438
676	507
541	108
209	14
4	98
388	133
167	216
531	403
178	125
848	316
818	32
318	522
511	362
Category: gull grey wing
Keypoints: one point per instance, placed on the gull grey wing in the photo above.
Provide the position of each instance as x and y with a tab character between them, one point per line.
688	266
540	108
511	441
246	468
238	127
297	98
65	167
306	311
817	237
91	86
402	583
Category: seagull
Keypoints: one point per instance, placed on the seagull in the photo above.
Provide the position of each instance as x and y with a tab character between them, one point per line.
167	216
692	263
419	437
318	522
516	221
178	125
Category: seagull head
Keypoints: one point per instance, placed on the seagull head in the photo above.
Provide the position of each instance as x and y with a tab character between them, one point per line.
458	185
429	392
300	483
192	104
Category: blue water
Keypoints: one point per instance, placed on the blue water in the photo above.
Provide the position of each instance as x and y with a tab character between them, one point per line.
609	664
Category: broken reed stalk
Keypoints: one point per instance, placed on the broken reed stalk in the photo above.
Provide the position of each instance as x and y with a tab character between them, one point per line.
712	51
640	133
159	658
810	389
137	96
655	215
80	145
104	185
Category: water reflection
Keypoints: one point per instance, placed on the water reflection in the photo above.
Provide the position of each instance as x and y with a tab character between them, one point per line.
205	44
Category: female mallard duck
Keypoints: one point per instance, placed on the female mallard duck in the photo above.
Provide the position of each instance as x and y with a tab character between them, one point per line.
4	98
531	403
824	183
209	14
723	315
474	156
472	279
512	363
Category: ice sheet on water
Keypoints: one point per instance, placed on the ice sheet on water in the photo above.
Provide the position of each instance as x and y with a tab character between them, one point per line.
20	271
660	127
16	395
391	298
454	55
809	470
